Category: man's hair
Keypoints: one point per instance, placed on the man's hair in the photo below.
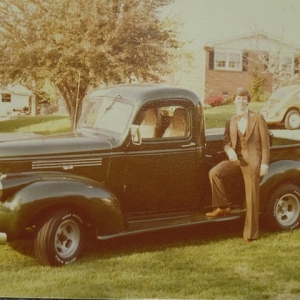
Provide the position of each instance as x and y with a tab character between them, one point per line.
242	92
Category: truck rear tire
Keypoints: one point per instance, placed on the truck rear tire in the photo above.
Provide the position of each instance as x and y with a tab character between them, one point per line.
284	208
59	241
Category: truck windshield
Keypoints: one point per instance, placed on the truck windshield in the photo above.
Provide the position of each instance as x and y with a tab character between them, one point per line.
111	115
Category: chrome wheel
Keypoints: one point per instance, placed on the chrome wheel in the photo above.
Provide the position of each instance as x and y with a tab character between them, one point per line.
59	241
284	207
287	210
67	239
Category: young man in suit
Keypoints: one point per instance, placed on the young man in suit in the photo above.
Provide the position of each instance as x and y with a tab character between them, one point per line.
246	143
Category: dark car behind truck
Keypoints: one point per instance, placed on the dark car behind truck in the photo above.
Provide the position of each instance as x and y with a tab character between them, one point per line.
138	162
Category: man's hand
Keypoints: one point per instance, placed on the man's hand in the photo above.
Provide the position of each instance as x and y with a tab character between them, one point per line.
263	170
232	155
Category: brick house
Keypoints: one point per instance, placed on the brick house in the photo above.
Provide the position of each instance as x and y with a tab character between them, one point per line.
231	63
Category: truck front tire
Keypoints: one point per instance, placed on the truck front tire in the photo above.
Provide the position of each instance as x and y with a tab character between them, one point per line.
59	241
284	208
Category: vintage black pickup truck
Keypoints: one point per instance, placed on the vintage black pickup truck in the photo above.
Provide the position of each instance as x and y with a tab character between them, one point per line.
138	162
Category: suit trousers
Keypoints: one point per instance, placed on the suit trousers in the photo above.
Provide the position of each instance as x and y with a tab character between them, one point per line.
252	190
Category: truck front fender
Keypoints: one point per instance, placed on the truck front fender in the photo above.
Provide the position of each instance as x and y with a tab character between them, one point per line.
280	172
92	201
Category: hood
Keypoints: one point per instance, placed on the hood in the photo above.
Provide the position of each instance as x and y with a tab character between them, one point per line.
52	145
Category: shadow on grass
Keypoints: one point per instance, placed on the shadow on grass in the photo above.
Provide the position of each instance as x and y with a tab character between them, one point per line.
195	235
171	238
180	237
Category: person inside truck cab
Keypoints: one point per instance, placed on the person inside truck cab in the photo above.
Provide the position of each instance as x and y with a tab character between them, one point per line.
246	143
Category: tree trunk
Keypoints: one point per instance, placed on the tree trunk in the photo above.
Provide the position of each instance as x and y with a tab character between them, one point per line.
75	113
73	99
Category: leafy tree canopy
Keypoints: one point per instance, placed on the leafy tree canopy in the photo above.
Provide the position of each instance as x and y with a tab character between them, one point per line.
78	44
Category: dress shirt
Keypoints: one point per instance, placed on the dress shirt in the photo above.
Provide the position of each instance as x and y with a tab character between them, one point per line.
243	122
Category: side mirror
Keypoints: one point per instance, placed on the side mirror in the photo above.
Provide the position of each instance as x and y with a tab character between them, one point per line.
135	135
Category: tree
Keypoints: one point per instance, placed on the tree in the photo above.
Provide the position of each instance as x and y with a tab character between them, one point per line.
257	86
279	59
79	44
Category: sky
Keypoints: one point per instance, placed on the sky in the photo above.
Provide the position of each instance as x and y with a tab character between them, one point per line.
209	20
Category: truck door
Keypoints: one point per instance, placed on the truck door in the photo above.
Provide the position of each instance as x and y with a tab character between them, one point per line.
161	171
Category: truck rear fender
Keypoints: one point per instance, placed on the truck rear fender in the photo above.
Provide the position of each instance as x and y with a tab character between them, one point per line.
94	203
280	173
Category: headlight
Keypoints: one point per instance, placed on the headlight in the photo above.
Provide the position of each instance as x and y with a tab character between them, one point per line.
13	205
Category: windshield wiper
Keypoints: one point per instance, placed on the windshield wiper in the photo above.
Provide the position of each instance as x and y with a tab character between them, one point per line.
112	104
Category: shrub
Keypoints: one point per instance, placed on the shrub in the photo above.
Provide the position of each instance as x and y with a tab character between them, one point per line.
257	86
214	100
206	106
228	100
265	96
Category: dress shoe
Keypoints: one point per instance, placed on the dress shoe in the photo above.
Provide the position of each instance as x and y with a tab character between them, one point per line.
248	240
219	212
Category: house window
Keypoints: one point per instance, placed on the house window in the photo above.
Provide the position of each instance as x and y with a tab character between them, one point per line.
6	97
281	64
228	60
234	61
220	60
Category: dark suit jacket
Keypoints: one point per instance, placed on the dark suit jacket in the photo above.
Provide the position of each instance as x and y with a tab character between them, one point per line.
257	150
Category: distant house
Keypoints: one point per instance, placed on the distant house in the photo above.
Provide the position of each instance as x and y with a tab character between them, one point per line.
230	63
14	98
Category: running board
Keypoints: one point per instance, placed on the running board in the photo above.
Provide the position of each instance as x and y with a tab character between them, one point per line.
143	226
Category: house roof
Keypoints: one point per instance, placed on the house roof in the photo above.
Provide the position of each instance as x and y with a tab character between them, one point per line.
16	89
258	40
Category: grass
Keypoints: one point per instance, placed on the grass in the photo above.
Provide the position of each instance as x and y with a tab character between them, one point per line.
200	262
217	116
48	124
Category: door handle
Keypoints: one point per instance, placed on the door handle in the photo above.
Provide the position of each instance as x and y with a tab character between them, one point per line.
189	145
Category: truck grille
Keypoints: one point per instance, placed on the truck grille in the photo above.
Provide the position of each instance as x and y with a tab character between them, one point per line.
66	164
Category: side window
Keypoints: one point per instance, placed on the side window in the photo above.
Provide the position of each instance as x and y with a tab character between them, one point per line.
177	122
165	122
6	97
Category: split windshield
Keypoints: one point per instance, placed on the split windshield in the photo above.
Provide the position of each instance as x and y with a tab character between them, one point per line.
109	115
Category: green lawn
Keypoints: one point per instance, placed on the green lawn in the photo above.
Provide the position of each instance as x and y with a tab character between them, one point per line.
48	124
201	262
216	117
